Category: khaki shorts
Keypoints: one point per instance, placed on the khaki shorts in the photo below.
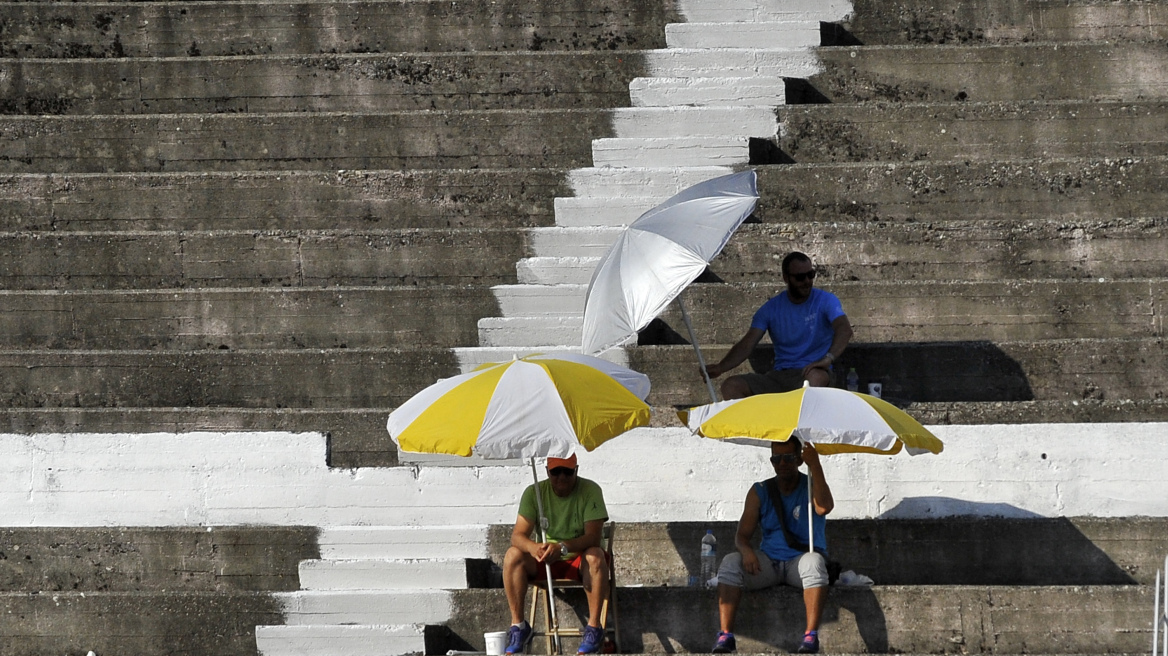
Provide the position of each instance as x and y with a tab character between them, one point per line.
774	381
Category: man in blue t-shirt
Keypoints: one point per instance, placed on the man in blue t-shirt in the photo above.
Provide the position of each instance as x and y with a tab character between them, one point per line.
808	328
777	560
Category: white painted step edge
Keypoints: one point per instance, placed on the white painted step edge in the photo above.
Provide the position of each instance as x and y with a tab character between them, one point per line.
778	34
641	182
384	574
341	640
707	91
456	541
696	151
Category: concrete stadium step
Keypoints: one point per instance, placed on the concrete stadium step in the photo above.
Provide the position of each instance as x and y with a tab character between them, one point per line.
365	607
1095	188
589	211
390	542
384	574
880	619
922	371
1004	21
148	259
570	270
591	241
340	640
282	200
471	357
981	73
401	140
734	62
250	318
540	300
640	182
731	150
334	83
535	332
707	91
262	378
766	10
755	34
973	131
183	29
691	122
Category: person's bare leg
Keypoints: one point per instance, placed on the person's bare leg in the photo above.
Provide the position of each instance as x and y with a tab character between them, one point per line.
594	576
728	598
735	387
517	568
814	599
819	378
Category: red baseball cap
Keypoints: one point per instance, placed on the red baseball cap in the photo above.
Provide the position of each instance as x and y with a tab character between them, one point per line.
570	462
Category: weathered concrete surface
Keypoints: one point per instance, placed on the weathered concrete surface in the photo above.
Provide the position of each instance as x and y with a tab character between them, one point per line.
1040	71
1117	250
335	83
134	29
973	131
133	559
334	317
265	378
198	259
134	623
1005	21
882	619
1066	369
282	200
321	140
1099	187
951	551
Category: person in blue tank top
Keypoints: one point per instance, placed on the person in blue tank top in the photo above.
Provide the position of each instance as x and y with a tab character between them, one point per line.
779	559
809	331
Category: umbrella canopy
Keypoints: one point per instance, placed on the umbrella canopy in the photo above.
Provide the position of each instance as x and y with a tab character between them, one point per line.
535	406
660	254
834	420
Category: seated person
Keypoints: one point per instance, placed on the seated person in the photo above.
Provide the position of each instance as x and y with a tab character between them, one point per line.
777	560
576	515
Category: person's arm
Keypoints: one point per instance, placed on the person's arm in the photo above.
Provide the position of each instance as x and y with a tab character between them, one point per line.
593	531
737	353
521	539
747	525
820	492
841	334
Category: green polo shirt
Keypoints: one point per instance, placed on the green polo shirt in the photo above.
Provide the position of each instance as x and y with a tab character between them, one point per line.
566	515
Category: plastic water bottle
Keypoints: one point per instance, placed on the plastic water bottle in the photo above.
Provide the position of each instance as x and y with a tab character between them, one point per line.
709	558
853	380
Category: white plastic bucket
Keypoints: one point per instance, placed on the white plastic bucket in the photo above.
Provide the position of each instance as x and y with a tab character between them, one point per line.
496	642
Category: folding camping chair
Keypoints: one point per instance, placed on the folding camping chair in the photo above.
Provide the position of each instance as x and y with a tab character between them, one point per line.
544	599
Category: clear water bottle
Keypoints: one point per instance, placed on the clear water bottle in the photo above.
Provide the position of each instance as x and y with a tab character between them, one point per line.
853	380
709	558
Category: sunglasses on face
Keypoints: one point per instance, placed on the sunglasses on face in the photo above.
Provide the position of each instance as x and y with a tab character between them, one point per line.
800	277
792	458
561	471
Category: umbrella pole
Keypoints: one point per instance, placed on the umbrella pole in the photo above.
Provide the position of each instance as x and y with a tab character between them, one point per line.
547	568
810	516
693	339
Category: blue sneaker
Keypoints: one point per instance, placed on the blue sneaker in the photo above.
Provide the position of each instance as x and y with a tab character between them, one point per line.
810	644
725	644
593	640
518	637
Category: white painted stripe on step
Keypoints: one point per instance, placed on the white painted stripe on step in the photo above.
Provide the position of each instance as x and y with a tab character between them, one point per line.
340	640
556	270
725	11
365	607
653	122
696	151
471	357
458	541
661	182
601	211
733	62
707	91
591	240
370	574
537	300
784	34
530	331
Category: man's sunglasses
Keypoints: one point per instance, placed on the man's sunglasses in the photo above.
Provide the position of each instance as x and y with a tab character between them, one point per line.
562	471
800	277
792	458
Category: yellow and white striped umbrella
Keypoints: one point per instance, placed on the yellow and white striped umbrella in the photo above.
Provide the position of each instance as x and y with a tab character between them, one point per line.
834	420
535	406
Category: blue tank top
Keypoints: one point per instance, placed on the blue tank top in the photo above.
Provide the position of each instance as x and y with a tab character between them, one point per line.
794	505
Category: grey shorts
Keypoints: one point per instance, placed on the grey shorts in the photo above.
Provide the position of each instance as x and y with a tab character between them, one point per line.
774	381
806	571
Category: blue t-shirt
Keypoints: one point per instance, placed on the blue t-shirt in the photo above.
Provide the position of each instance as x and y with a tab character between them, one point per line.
801	332
774	542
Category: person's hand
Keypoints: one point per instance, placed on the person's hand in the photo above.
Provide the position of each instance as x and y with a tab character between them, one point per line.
713	370
750	562
547	552
822	363
810	456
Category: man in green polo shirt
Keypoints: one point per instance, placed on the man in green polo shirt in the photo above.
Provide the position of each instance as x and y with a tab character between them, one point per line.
576	514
